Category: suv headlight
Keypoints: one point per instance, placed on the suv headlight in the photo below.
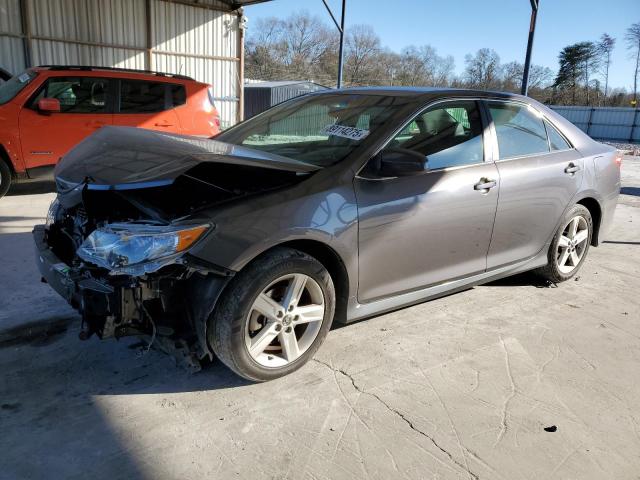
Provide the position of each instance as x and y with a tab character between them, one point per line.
135	249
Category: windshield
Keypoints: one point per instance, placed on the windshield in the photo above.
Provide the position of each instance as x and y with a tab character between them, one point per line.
13	86
318	129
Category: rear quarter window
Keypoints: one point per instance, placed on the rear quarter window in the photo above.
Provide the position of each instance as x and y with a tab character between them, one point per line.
178	95
556	141
139	96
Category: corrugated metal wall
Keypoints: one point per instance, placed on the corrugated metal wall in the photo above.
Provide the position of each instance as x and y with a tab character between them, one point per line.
605	123
200	41
11	45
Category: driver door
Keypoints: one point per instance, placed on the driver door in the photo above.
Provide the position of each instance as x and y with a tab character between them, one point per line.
425	229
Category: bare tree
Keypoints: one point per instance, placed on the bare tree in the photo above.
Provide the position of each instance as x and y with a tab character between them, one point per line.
539	77
632	37
483	69
362	48
307	40
389	64
305	47
605	48
423	66
264	49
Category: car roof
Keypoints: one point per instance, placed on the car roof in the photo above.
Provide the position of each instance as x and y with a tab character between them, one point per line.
434	92
123	72
424	94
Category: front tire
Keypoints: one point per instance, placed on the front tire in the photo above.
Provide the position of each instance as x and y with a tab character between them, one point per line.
5	178
273	316
569	247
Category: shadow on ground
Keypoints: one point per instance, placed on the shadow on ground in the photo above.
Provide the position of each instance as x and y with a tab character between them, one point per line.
54	400
520	280
635	191
32	188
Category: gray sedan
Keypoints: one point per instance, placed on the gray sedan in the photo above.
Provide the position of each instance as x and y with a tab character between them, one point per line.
335	206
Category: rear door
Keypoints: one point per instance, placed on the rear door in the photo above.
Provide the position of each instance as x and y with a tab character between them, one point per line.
146	104
84	107
539	174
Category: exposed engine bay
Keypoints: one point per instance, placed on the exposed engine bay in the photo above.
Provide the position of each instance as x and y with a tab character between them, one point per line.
120	256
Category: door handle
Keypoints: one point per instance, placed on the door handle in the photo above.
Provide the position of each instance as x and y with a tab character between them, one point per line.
485	184
571	168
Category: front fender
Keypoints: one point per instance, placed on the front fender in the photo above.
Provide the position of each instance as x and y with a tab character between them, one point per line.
243	232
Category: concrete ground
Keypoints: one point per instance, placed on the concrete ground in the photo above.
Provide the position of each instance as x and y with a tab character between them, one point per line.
504	381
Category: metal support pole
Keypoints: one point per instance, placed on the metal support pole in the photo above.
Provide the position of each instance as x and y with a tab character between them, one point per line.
341	51
527	61
341	30
241	27
149	36
26	31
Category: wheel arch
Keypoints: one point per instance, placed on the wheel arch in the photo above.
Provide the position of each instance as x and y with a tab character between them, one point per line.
595	209
4	157
332	261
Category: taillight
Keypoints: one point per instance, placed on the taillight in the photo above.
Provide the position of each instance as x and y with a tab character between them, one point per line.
618	159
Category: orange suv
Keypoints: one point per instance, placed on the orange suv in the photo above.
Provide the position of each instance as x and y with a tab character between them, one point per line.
47	110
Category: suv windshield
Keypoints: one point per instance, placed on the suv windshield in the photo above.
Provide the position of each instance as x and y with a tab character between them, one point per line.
13	86
318	129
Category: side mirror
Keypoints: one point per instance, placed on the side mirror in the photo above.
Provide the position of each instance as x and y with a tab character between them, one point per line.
400	162
49	105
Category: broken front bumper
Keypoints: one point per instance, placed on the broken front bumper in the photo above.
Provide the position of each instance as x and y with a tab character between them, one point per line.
123	305
86	294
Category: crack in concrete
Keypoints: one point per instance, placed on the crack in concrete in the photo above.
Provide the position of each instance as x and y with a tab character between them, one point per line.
399	414
505	405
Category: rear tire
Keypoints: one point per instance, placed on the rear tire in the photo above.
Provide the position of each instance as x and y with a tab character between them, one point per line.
273	316
569	246
5	178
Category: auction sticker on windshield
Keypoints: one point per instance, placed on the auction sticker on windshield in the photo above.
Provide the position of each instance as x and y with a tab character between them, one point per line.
351	133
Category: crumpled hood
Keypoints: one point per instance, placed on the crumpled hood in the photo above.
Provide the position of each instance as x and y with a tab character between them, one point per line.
121	158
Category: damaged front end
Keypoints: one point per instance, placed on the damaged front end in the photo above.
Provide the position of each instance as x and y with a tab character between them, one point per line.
128	274
118	251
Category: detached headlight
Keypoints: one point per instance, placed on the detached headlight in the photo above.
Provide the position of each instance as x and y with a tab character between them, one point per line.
52	214
131	249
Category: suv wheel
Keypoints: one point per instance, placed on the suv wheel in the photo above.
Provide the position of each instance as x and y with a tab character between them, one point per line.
273	316
569	246
5	178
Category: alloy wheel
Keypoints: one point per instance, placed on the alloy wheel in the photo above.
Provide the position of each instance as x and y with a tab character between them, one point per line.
284	320
572	244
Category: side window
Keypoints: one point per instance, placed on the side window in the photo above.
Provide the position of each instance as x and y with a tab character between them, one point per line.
138	96
448	136
76	94
178	95
519	129
556	141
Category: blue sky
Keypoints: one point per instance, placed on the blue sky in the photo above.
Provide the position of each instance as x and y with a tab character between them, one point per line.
462	26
